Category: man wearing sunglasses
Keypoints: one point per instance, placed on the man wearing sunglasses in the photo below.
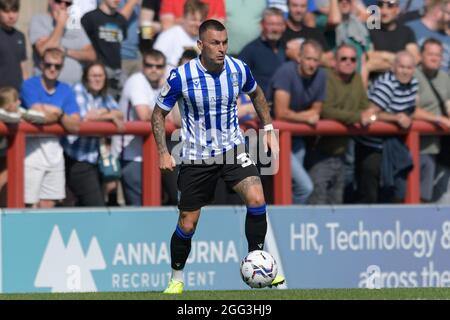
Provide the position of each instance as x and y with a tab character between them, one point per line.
136	102
44	162
346	101
390	39
52	31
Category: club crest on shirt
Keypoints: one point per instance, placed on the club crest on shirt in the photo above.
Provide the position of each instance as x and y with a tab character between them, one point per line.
165	89
234	79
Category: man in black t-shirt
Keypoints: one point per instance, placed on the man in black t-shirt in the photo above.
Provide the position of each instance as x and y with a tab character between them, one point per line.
296	32
391	38
107	28
12	46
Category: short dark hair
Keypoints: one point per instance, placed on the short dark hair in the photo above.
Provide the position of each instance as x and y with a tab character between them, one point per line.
188	54
9	5
210	24
153	53
84	79
430	41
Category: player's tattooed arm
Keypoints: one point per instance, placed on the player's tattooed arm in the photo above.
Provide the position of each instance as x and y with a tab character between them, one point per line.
159	128
166	161
261	106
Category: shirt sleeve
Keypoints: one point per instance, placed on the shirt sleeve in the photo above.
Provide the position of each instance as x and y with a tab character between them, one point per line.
322	86
381	94
281	79
138	93
28	94
87	25
170	92
250	84
111	103
23	53
70	104
38	29
80	96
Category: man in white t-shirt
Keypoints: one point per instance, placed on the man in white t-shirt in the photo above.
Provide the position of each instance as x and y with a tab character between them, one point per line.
137	101
175	40
55	102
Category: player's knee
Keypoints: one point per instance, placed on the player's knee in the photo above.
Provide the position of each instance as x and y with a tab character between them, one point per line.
256	200
188	226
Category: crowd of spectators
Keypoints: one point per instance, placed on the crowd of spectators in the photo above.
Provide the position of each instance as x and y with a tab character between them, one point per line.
353	61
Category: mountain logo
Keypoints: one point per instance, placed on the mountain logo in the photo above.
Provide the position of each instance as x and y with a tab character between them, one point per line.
67	268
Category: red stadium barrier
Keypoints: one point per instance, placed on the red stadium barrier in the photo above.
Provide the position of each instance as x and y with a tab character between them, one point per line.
152	187
282	180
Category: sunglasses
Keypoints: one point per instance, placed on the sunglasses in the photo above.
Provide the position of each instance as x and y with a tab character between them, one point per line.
151	65
389	4
352	59
67	3
58	66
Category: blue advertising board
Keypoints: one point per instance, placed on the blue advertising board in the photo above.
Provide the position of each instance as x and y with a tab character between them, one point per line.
316	247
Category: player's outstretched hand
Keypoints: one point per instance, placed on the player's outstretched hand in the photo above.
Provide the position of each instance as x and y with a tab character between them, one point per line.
166	162
271	141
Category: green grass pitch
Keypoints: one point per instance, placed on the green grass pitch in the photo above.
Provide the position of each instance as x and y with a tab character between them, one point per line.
272	294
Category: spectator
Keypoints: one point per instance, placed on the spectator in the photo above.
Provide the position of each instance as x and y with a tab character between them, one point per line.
78	9
149	23
326	19
9	107
242	23
433	25
137	101
412	10
393	97
283	6
178	38
432	82
12	46
131	59
81	153
353	32
298	92
171	12
44	161
50	31
107	29
296	32
390	39
346	101
266	53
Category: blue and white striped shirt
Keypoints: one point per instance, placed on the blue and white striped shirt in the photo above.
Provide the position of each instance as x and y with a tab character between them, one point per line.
390	95
86	148
207	105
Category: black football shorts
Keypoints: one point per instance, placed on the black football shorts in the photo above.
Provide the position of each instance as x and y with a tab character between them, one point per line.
197	181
